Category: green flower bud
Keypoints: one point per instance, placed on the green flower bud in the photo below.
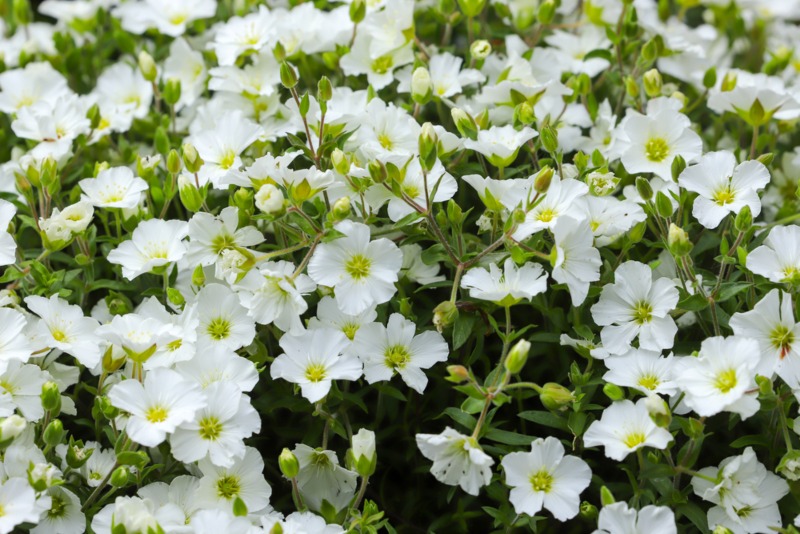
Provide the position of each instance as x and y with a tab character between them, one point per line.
377	171
653	83
547	12
21	10
175	296
588	511
480	49
172	91
658	410
465	124
362	456
631	87
471	8
606	497
161	140
555	396
678	241
288	75
644	189
279	52
53	433
421	86
77	454
324	89
288	463
120	476
428	144
541	183
728	82
613	391
148	66
191	197
42	476
678	166
94	116
174	163
340	162
198	276
549	139
358	10
663	205
743	220
517	357
524	114
51	398
191	158
444	314
341	208
710	78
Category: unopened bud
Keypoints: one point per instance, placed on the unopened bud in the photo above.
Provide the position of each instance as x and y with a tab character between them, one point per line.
269	199
678	240
53	433
658	410
198	276
340	162
518	356
428	144
362	455
457	374
377	171
172	91
191	158
547	11
148	66
480	49
358	10
644	188
541	183
421	86
606	497
324	89
653	83
555	396
465	124
288	463
288	75
120	476
631	87
728	82
444	315
51	398
588	511
743	220
613	391
174	162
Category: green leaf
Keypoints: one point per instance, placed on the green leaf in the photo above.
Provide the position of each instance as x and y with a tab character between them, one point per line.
508	438
547	419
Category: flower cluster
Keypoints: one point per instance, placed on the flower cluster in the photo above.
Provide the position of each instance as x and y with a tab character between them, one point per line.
275	267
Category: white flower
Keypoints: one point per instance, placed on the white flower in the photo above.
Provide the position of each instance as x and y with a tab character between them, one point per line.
544	477
170	18
362	272
625	427
223	320
8	247
778	259
775	98
390	349
723	186
650	143
771	323
321	478
64	515
188	67
457	460
21	387
508	286
210	236
746	495
643	370
115	187
64	327
414	267
139	336
577	261
240	34
441	186
158	406
718	379
329	315
153	244
636	305
18	502
500	144
313	359
563	197
14	344
221	147
220	486
272	294
75	217
269	199
218	430
618	518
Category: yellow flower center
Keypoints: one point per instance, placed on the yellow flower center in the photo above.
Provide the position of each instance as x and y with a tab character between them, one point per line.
649	381
642	313
546	215
316	372
350	330
633	439
210	428
382	64
782	338
397	357
358	266
724	196
656	149
228	487
219	328
385	141
542	481
726	380
156	414
58	334
227	159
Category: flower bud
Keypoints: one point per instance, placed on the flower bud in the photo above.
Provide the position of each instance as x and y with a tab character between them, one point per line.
613	391
588	511
549	139
524	113
547	11
664	205
120	476
53	433
358	10
555	396
341	208
444	314
457	374
51	398
340	162
480	49
148	66
728	82
288	75
644	188
145	165
191	158
11	427
21	10
658	410
324	89
678	241
653	83
541	183
517	357
465	124
601	183
288	463
377	171
743	220
173	162
172	91
279	52
363	456
421	86
198	276
606	497
269	199
42	476
471	8
631	87
191	197
428	144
